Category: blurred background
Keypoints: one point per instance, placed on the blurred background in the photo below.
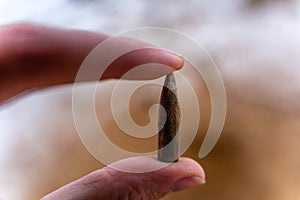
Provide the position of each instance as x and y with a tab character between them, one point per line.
255	44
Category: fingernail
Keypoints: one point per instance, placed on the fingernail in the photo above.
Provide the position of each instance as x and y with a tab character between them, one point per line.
187	182
177	60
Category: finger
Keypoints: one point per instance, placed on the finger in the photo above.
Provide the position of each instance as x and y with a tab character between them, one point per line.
109	183
153	63
33	56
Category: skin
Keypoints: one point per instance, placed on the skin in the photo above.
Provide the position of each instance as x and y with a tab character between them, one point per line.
33	56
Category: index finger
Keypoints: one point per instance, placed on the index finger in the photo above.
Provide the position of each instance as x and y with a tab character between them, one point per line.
33	56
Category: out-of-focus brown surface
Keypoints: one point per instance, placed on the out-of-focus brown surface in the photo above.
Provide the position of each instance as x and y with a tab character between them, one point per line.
257	156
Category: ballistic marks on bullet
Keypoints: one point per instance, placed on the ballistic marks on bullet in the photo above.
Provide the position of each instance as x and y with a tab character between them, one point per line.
168	122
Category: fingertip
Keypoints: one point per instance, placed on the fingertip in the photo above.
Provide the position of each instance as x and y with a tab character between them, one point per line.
177	59
144	64
185	167
184	174
170	177
172	171
181	63
194	166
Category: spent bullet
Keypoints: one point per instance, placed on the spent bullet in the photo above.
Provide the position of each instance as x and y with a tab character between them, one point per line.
168	122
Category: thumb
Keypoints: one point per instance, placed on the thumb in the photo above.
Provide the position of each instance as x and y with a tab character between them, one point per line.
109	183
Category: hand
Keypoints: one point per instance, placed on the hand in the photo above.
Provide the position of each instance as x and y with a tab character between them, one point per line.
33	56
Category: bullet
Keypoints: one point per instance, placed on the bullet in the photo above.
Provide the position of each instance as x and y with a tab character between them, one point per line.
168	146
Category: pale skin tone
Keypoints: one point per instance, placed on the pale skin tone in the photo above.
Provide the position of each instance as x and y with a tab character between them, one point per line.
33	57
